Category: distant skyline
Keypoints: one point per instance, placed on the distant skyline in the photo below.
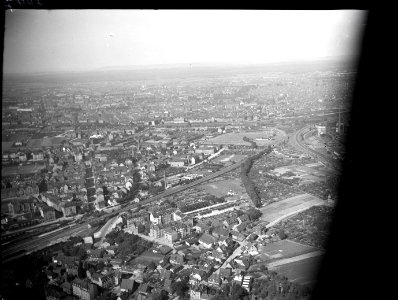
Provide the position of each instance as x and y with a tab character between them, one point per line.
86	40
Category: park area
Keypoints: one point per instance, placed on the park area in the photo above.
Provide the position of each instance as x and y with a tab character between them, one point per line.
289	206
261	138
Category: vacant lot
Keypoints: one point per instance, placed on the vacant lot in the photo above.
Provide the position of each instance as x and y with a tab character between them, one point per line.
279	209
303	271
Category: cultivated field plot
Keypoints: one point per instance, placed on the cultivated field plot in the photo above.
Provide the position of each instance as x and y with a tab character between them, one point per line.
282	208
304	271
304	173
310	227
222	187
283	249
260	137
21	170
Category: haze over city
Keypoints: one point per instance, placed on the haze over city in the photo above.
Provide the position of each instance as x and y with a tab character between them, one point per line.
158	155
81	40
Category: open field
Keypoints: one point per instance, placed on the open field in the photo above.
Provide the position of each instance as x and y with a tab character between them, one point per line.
276	210
259	137
304	173
283	249
303	271
222	187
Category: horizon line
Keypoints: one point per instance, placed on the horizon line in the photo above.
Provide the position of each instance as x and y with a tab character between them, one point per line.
179	64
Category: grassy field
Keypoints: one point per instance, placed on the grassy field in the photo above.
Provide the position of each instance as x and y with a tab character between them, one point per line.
303	272
278	209
221	188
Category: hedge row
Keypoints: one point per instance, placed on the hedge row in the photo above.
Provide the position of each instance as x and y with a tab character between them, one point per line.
245	169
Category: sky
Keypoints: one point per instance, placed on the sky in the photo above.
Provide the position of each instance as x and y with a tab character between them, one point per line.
82	40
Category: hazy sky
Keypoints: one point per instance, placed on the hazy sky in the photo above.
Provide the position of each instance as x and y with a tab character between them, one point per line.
44	40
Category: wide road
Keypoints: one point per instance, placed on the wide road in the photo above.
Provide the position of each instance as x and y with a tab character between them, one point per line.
36	243
297	141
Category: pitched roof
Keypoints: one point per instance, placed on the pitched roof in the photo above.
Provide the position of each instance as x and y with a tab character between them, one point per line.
167	284
143	287
243	217
80	282
221	231
96	276
127	284
207	239
66	285
214	277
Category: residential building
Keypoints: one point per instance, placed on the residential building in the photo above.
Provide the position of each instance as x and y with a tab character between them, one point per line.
67	287
177	163
96	254
156	231
170	235
219	232
177	259
104	281
68	209
84	289
155	218
208	150
127	285
207	241
214	280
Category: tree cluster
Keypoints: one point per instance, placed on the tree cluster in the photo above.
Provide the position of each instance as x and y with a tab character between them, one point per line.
253	214
127	243
253	144
249	186
231	291
181	288
194	206
275	286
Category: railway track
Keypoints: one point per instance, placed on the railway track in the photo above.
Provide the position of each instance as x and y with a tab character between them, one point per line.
297	142
36	243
